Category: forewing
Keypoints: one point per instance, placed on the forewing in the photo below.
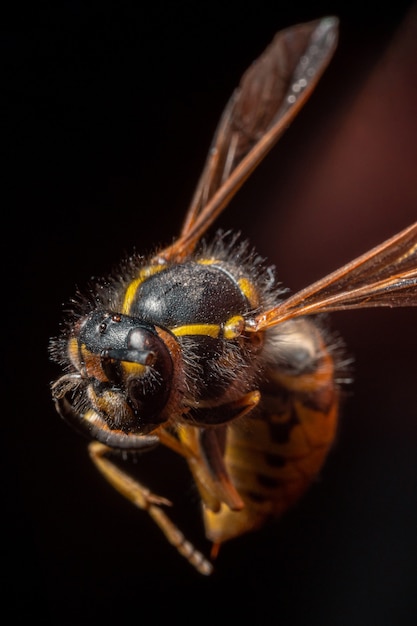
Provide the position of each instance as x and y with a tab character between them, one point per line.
270	94
384	276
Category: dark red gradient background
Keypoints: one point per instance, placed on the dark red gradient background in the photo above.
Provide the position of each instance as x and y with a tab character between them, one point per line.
109	112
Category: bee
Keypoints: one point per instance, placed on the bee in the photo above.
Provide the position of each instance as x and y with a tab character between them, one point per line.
198	348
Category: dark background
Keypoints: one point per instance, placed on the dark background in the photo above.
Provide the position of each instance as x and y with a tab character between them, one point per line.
109	110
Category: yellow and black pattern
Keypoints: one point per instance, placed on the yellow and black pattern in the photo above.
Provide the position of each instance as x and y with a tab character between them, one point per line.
178	359
277	451
204	363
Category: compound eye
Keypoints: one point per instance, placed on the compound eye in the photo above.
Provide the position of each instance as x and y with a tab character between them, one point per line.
148	394
144	346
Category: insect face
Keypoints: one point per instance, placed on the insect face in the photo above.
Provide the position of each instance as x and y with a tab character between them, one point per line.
128	367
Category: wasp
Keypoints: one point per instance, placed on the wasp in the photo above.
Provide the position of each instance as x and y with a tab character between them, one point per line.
198	348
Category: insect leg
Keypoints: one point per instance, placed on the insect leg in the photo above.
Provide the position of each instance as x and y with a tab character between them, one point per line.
144	499
207	445
92	425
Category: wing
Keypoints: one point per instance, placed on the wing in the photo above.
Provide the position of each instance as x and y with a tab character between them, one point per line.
384	276
269	96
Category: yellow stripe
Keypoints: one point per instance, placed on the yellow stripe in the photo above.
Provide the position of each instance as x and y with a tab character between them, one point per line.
133	286
73	352
207	261
249	291
133	369
211	330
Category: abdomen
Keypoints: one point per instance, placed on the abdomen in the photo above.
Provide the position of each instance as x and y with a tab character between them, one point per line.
273	455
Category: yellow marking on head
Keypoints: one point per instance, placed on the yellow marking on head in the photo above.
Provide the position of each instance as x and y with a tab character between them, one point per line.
73	352
210	330
234	327
132	288
133	369
249	291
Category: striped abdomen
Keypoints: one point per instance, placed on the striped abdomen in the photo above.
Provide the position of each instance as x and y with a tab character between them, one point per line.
273	455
